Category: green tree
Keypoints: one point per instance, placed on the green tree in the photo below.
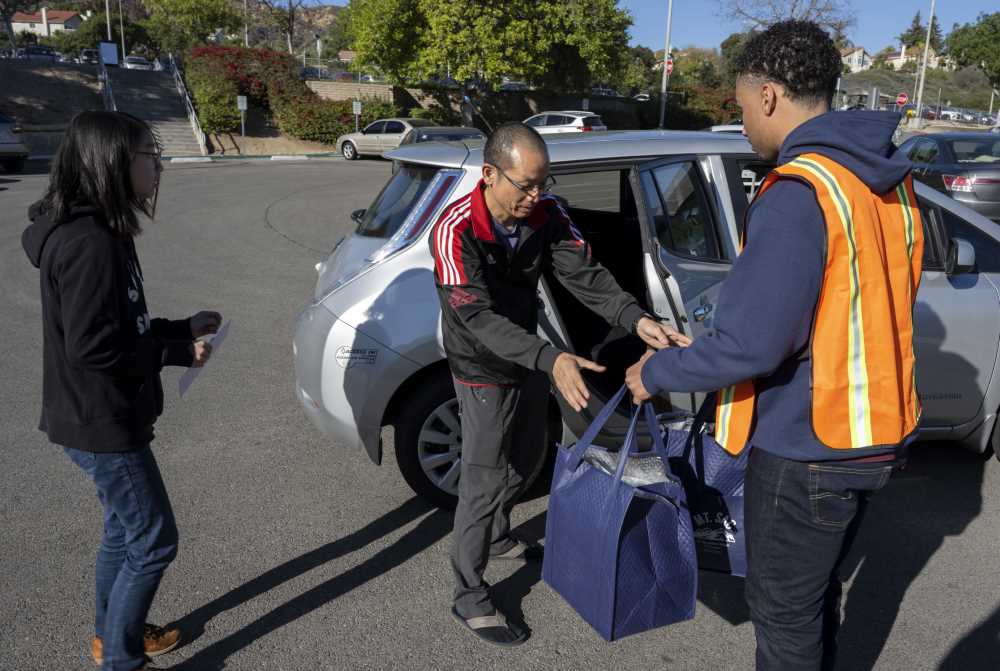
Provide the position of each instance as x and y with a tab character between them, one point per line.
916	35
976	44
730	49
565	44
340	35
10	7
94	30
638	75
175	25
387	35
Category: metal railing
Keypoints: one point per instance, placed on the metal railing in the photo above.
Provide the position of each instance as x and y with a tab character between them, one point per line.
107	95
192	115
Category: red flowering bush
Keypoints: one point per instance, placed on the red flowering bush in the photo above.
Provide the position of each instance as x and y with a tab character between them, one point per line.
216	75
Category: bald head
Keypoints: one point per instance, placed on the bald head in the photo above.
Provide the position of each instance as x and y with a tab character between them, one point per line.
511	141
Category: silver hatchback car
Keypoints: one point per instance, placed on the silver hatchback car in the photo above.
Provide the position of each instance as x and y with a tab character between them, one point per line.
662	211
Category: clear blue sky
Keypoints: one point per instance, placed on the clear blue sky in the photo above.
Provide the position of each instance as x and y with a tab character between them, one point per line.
700	23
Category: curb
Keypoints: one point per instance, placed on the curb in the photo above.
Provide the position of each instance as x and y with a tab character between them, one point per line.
329	156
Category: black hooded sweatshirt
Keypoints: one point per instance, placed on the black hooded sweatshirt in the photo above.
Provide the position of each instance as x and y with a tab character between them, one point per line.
102	354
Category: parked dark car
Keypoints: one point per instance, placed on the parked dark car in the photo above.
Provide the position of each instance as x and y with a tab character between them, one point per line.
965	166
39	52
90	56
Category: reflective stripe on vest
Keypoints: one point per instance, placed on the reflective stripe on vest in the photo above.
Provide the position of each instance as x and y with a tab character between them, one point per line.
863	368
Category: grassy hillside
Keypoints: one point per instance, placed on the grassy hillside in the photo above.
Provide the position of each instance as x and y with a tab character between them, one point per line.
967	88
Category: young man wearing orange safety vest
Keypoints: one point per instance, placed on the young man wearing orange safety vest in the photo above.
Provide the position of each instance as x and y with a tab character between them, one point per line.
812	346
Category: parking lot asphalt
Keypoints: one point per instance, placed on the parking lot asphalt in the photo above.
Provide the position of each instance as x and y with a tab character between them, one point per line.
297	553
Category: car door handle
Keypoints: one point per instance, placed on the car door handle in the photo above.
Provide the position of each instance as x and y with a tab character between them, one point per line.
701	313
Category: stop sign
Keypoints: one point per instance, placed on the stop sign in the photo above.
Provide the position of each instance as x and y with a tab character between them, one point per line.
670	65
901	99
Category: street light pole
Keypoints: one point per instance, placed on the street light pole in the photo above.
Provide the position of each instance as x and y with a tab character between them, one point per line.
121	24
923	67
666	77
107	15
246	27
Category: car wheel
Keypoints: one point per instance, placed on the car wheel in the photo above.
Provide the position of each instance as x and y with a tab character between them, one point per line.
349	151
14	165
429	443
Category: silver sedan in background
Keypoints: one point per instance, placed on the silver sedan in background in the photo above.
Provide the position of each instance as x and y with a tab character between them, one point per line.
378	137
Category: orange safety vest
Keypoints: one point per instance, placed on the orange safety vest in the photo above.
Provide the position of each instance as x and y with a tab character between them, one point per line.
864	389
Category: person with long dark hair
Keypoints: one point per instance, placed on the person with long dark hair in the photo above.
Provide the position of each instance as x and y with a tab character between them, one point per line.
102	356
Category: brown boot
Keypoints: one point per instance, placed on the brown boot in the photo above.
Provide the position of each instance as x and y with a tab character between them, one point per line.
156	641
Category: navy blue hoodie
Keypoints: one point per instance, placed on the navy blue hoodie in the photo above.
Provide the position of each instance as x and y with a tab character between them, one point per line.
102	354
767	303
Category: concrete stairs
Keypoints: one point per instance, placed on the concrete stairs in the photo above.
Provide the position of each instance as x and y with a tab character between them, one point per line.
152	96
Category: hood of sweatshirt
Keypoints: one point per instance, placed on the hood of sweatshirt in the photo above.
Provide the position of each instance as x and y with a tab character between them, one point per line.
42	225
860	140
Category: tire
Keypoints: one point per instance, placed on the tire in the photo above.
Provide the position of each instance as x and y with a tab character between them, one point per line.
349	151
434	407
14	165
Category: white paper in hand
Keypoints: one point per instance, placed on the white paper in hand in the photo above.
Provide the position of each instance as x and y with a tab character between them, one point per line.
189	376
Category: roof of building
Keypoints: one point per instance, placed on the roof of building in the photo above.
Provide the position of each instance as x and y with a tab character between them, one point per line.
54	16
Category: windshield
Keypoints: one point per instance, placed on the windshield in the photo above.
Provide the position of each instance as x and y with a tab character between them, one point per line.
394	203
986	150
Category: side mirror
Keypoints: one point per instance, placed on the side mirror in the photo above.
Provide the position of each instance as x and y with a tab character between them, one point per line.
961	257
358	215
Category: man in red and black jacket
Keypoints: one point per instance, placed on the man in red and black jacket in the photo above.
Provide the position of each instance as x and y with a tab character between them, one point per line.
490	247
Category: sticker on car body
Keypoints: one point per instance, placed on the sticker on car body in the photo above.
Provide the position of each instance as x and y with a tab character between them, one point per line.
353	356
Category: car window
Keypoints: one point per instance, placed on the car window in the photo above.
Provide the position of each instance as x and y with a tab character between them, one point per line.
987	248
411	137
558	120
599	191
394	127
682	218
986	150
375	128
592	121
536	121
395	201
924	152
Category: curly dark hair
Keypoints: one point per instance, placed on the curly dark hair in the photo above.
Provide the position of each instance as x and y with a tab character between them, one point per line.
799	55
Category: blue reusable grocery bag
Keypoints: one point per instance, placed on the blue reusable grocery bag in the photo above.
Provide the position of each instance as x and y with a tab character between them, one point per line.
713	486
622	556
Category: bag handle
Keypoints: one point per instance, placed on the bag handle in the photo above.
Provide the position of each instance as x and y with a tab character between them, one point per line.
630	445
576	456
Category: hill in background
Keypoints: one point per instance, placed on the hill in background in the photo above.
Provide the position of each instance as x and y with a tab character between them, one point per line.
967	88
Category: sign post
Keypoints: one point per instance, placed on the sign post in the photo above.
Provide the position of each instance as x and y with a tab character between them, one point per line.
241	104
356	109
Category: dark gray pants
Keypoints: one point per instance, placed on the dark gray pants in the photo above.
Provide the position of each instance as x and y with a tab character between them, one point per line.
503	430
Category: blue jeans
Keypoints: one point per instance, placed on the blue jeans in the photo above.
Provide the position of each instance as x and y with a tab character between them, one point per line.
139	542
801	519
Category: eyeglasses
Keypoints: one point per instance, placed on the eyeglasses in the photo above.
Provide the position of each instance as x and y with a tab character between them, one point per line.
530	189
158	154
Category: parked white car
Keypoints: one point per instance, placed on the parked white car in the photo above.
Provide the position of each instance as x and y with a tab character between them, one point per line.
548	123
137	63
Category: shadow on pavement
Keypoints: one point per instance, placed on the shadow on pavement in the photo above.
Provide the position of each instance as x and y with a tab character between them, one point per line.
978	650
936	497
432	528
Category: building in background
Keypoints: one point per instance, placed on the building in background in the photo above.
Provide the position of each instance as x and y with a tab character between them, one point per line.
856	58
46	21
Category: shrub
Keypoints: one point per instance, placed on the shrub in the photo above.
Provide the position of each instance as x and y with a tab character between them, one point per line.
217	74
214	97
